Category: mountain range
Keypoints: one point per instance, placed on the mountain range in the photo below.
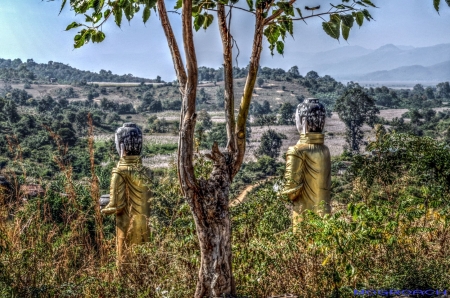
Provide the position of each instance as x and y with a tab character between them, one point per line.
387	63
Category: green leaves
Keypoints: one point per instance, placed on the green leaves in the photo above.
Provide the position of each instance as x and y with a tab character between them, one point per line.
343	23
332	28
287	8
272	33
146	14
276	32
250	4
118	16
98	5
359	17
73	25
280	47
436	4
208	20
98	36
97	12
203	21
129	11
368	2
346	25
62	6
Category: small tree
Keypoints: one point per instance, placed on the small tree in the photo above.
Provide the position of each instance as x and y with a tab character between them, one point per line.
287	114
260	82
204	119
270	145
11	113
220	97
355	108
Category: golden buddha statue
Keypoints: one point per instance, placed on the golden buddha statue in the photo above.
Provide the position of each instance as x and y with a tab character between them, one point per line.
308	163
129	191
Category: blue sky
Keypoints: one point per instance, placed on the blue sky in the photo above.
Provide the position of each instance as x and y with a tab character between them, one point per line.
33	29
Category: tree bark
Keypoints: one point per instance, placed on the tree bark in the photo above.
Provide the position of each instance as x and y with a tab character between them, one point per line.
212	218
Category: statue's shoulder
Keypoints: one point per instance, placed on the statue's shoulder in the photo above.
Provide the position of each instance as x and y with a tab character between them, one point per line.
116	170
296	150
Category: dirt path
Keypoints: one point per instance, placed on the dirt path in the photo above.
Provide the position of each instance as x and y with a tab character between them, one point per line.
243	195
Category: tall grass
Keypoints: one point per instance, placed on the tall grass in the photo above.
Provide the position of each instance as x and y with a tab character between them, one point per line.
51	248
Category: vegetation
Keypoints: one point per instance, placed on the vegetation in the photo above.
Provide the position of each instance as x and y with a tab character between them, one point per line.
355	108
390	231
63	236
270	145
386	203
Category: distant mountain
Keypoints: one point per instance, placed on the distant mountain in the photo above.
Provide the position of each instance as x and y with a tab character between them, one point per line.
405	47
438	72
311	60
387	57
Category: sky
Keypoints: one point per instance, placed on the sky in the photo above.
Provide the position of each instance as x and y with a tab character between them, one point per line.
34	29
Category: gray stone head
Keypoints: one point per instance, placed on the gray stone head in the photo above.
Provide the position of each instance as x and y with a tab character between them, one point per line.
310	116
129	139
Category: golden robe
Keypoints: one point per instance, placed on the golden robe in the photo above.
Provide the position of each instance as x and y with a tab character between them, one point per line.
129	195
308	175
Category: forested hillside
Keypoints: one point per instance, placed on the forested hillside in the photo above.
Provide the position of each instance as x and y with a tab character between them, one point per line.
55	71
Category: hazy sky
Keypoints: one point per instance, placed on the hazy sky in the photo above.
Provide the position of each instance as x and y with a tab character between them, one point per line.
33	29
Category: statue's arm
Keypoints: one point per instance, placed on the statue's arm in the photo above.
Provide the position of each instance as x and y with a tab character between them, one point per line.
294	174
117	194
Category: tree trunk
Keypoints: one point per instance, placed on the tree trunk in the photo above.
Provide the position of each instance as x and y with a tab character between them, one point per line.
212	219
208	199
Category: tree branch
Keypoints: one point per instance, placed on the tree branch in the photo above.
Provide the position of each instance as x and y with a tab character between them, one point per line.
277	14
313	16
227	44
173	45
186	144
248	90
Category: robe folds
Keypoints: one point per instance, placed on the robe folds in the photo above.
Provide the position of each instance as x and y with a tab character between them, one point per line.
129	200
308	175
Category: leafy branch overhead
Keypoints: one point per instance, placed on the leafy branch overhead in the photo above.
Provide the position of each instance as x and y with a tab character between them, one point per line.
279	16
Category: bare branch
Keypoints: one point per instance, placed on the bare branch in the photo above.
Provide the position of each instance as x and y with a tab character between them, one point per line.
312	16
240	8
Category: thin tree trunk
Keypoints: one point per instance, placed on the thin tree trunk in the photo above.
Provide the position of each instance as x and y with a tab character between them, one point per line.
173	46
248	90
208	199
227	45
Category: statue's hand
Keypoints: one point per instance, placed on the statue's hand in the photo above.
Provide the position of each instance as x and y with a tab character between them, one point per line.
109	210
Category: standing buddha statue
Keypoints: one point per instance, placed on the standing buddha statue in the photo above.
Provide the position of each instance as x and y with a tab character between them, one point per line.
308	163
129	191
